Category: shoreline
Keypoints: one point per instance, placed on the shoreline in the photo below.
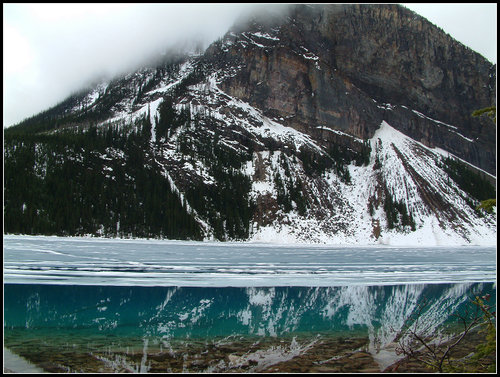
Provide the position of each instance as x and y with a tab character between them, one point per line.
270	242
13	363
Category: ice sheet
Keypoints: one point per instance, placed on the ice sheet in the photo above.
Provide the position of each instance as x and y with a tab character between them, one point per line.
98	261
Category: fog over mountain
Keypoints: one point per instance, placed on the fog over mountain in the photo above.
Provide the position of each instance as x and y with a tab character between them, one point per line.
52	50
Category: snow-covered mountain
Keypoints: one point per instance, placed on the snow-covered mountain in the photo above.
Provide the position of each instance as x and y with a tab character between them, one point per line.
278	132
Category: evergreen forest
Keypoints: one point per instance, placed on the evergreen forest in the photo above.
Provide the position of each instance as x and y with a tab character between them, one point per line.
90	182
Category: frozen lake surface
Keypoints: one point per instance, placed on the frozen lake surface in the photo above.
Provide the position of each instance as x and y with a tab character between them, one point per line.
117	262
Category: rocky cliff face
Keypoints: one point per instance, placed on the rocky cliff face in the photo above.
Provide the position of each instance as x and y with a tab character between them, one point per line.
320	124
338	66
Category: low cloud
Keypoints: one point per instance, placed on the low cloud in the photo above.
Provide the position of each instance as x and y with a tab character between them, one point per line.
52	50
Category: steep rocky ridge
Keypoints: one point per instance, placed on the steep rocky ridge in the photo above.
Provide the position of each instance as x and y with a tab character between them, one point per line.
337	66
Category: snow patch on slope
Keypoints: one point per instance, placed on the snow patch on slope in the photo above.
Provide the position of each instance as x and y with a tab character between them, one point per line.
353	210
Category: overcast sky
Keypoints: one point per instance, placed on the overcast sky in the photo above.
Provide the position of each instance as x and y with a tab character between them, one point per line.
52	50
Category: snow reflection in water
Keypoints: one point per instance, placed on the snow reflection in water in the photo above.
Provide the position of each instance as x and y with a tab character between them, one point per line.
99	320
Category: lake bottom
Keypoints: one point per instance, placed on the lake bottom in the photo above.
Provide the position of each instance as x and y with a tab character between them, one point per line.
306	353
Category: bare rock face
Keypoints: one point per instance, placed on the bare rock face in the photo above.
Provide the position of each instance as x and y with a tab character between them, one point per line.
347	67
